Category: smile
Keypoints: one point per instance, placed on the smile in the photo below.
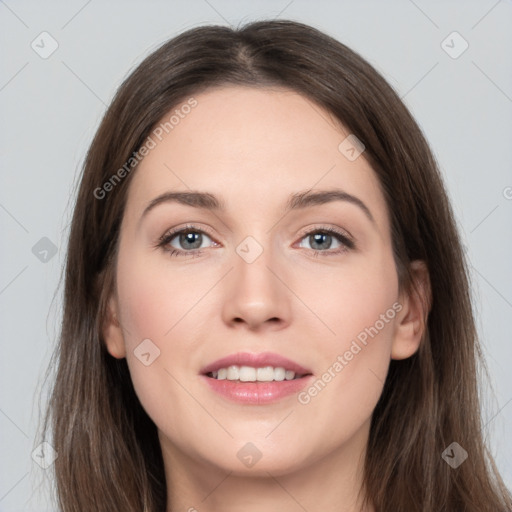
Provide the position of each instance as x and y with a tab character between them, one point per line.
252	374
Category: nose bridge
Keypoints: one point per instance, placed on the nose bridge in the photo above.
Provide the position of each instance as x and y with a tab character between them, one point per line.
256	295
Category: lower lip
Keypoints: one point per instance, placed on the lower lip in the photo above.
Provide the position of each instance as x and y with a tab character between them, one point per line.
257	393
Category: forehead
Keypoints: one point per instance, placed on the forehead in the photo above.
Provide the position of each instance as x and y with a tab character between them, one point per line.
249	144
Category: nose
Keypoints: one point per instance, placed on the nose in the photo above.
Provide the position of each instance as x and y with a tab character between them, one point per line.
255	295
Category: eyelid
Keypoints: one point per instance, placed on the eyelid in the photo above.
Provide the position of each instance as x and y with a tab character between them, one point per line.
187	227
324	227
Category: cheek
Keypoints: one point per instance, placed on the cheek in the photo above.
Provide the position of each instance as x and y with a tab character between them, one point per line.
159	305
361	308
153	299
354	302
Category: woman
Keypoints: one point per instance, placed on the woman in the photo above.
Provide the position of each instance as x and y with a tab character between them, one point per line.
314	347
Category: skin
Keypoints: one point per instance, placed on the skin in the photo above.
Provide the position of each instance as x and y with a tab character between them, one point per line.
253	148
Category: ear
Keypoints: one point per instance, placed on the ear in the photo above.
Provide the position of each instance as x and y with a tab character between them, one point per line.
112	332
412	318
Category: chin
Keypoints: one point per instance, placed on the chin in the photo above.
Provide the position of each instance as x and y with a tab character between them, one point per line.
257	458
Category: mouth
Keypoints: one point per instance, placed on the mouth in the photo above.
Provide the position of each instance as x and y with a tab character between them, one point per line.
256	379
250	367
255	374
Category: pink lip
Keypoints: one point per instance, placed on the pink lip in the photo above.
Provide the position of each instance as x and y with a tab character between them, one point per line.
257	361
257	393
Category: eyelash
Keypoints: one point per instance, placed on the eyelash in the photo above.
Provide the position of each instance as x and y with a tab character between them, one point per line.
347	243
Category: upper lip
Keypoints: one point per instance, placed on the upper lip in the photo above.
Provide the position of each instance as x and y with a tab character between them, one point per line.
257	361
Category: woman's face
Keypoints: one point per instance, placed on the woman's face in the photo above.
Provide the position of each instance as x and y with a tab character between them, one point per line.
260	274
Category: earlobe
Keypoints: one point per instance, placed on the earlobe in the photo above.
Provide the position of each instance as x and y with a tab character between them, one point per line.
112	332
412	320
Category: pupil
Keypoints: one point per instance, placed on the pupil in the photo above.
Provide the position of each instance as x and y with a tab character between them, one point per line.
317	239
191	238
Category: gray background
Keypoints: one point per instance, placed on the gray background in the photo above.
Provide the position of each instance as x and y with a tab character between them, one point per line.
51	108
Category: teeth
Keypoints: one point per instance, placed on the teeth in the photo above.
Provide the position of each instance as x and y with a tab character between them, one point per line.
246	374
251	374
265	374
233	373
289	375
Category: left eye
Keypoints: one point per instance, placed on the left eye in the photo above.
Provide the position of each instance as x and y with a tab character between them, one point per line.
321	240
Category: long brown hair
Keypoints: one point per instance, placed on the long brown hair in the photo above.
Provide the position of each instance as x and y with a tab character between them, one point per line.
109	457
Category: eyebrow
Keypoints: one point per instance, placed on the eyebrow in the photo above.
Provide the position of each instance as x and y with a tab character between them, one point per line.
296	201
